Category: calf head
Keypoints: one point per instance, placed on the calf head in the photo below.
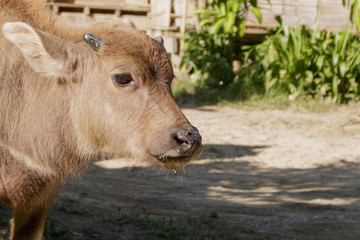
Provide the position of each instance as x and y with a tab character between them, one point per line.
119	83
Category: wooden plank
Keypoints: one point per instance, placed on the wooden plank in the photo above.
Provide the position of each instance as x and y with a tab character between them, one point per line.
117	12
201	4
264	3
109	4
179	6
87	11
62	1
103	2
332	13
79	20
170	29
173	15
160	13
171	44
300	2
290	10
140	2
124	7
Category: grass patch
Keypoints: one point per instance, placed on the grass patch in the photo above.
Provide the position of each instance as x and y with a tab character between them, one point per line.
141	225
51	232
283	102
191	229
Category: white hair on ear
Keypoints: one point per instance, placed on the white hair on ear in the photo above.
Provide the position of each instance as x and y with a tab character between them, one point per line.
25	37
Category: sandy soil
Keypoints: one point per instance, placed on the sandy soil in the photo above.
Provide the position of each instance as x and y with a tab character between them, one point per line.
264	174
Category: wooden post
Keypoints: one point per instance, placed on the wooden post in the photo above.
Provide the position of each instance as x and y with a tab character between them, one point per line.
118	12
87	11
56	9
184	17
201	4
160	13
183	24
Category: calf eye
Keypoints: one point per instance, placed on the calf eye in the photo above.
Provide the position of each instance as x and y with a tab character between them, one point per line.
122	79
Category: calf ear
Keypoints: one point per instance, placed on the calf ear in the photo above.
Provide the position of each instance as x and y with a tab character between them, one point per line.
44	52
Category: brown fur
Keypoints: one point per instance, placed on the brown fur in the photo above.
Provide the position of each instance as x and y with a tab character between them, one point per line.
60	109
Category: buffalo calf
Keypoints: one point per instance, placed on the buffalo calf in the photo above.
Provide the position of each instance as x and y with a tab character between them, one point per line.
67	95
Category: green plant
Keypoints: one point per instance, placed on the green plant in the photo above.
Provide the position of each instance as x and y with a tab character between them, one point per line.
51	232
209	52
354	6
301	61
228	16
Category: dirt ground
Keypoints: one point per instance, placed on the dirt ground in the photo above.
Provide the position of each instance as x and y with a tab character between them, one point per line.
264	174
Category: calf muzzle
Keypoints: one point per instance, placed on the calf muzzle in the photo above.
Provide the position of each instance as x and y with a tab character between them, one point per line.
188	142
185	145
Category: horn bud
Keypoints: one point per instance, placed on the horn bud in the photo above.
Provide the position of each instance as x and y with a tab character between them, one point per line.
159	39
93	41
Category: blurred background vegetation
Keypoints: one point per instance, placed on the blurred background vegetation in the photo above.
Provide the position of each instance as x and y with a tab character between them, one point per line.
299	62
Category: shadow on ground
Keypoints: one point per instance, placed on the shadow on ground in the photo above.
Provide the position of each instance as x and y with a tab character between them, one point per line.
248	201
226	151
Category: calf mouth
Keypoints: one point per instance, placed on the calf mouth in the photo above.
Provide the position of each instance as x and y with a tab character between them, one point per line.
165	159
184	145
174	162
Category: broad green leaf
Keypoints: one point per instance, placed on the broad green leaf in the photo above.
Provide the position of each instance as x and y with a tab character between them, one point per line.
222	9
309	76
320	62
257	13
335	59
355	62
282	73
219	23
242	28
272	82
268	75
344	41
228	6
356	18
354	13
342	69
236	7
316	25
205	11
205	21
335	88
230	20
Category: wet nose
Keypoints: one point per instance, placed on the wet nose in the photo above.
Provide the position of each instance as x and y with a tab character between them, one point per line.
188	141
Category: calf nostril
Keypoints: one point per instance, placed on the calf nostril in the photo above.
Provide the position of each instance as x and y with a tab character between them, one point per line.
182	138
187	142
